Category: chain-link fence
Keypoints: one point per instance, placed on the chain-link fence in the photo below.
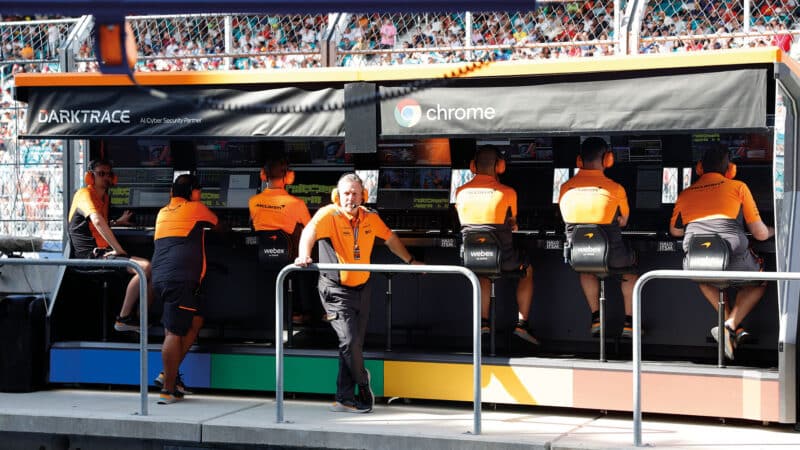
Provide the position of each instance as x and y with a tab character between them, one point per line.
556	29
680	25
217	42
32	46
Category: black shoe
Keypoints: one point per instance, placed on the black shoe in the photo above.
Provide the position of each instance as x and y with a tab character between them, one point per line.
365	396
127	323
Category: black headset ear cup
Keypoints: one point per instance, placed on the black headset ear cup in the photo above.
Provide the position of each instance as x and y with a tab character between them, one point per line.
88	178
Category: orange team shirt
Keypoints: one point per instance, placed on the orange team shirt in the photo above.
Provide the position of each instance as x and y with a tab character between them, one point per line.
592	197
179	248
276	209
338	236
87	201
714	197
484	200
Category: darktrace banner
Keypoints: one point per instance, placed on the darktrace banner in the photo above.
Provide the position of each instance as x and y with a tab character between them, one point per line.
721	99
128	111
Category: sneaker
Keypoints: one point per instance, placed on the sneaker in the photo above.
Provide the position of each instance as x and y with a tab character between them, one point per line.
365	395
627	331
729	340
179	384
127	323
742	336
521	331
168	398
349	406
595	328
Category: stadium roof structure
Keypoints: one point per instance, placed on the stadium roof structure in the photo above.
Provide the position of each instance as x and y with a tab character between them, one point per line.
143	7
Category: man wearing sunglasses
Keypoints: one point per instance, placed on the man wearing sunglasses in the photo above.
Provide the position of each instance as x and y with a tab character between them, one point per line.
91	236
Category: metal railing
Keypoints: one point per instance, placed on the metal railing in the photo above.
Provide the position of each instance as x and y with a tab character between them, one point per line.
390	268
637	320
106	264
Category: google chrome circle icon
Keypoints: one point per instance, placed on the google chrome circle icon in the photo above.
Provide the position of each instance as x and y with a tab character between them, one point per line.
407	113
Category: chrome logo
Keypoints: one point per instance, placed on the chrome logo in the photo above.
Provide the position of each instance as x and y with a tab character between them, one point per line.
407	113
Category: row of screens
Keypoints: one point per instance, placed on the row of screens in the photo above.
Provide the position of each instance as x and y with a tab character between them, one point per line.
420	188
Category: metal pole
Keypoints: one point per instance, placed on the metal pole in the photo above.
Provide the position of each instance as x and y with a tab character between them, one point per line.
637	320
112	264
389	312
721	329
395	268
602	320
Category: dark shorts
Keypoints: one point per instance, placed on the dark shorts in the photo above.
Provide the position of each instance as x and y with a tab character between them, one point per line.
621	255
182	301
747	261
514	259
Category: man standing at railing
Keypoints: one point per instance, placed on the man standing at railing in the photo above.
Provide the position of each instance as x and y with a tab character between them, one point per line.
717	204
347	232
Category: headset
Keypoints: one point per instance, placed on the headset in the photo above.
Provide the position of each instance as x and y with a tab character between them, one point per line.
730	172
608	160
88	178
288	175
499	165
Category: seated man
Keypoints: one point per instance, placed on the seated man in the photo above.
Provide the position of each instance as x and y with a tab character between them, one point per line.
275	209
485	201
91	237
592	198
717	204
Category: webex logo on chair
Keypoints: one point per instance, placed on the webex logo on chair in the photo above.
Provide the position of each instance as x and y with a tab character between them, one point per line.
481	255
408	113
274	251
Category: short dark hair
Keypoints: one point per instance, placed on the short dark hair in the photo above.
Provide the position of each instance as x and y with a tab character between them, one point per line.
486	156
716	159
275	159
592	148
184	185
95	163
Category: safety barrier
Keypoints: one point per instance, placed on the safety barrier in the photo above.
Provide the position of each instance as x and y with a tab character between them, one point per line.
391	268
107	264
637	320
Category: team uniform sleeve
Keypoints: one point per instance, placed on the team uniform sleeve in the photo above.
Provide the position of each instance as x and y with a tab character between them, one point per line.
84	202
206	215
624	208
381	229
749	207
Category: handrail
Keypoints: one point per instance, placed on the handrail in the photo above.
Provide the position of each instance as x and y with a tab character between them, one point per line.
393	268
637	320
115	264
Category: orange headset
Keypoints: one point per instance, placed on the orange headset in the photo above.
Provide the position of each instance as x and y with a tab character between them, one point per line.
288	175
196	189
499	165
730	172
88	177
608	160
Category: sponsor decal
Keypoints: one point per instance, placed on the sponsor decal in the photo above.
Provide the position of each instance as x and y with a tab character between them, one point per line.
408	113
84	116
274	251
481	254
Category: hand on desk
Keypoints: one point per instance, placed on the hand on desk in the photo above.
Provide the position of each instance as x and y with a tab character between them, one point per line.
125	219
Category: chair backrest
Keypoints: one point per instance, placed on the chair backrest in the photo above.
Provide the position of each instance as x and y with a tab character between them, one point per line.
480	252
588	250
275	249
707	252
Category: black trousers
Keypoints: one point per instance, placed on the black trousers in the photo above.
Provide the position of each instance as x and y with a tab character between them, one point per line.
347	310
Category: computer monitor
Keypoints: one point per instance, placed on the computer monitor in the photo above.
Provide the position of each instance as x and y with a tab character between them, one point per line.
141	187
228	188
414	188
314	185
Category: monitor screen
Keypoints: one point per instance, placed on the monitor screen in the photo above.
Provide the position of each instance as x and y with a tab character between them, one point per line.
759	179
414	188
649	185
141	187
741	146
669	186
314	186
560	176
138	152
228	188
458	178
224	153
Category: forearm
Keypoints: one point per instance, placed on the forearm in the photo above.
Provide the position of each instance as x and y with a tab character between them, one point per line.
306	244
102	227
396	246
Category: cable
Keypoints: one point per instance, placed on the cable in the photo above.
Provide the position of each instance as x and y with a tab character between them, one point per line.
276	108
